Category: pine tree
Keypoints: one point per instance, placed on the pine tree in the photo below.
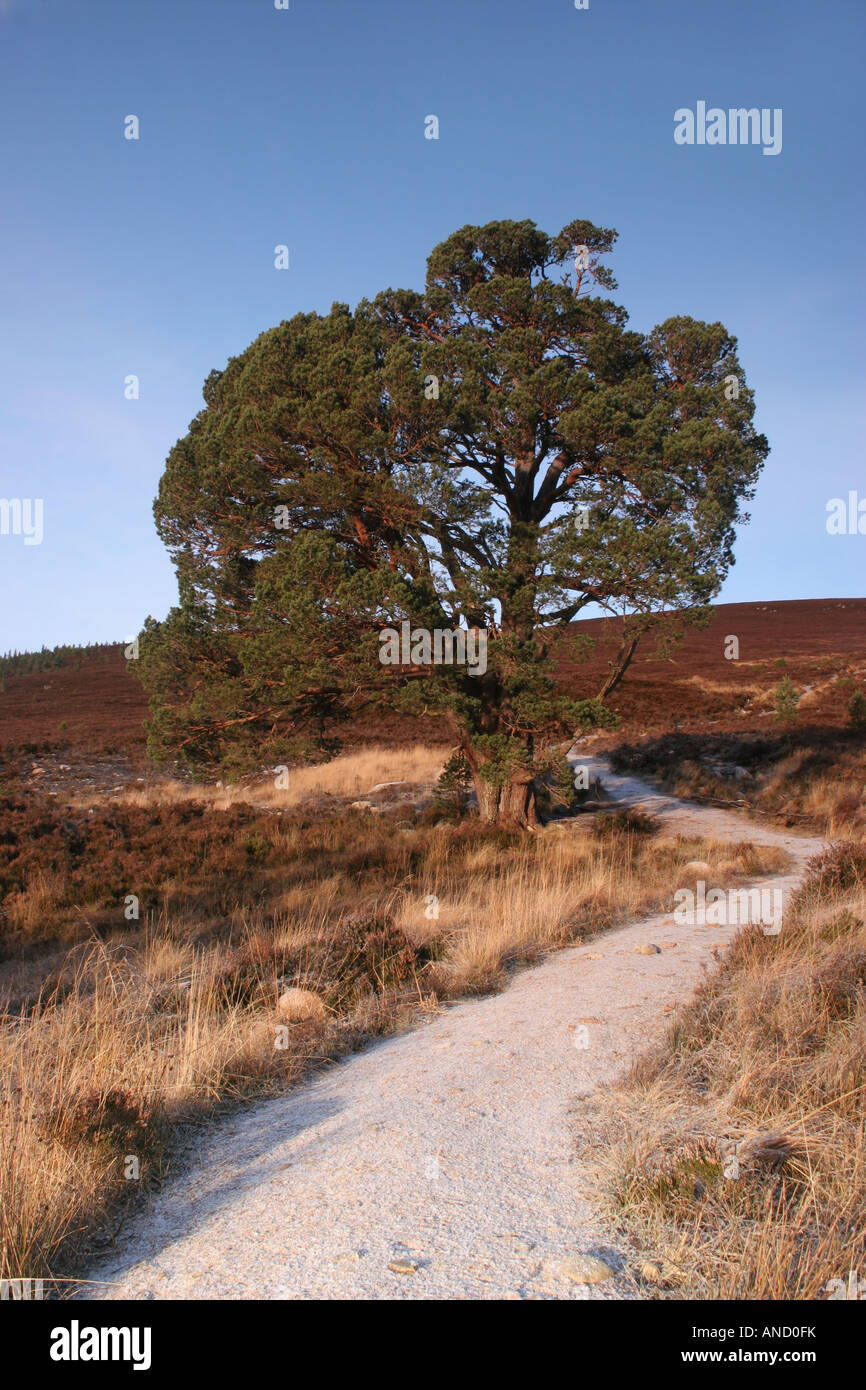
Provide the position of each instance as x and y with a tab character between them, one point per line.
785	700
498	452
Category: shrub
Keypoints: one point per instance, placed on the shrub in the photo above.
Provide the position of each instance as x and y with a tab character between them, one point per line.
623	823
857	710
451	792
554	788
837	870
785	700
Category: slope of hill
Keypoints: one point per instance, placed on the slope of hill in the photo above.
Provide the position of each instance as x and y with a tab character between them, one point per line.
94	708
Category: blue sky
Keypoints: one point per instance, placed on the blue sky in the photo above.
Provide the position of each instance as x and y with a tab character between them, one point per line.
306	127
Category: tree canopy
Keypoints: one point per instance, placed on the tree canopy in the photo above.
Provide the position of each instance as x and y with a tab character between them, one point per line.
497	453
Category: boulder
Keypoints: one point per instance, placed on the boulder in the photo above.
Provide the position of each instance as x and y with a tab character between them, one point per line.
300	1006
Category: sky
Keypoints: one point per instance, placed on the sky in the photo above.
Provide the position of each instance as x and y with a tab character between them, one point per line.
305	127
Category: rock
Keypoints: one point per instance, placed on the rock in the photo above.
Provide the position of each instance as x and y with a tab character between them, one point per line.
404	1264
583	1269
648	950
521	1245
300	1005
386	786
696	866
360	806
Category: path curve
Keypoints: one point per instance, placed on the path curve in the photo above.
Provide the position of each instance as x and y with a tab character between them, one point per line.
448	1151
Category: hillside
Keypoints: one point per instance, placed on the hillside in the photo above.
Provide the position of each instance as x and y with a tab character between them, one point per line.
92	710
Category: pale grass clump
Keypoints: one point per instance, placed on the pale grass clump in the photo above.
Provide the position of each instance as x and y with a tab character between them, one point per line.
734	1155
836	802
786	769
25	909
350	775
739	690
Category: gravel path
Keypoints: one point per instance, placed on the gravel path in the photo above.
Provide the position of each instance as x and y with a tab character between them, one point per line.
439	1164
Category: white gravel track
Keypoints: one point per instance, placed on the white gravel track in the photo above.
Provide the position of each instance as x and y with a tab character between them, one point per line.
450	1149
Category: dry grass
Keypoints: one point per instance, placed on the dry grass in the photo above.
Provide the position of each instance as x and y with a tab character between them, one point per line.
507	903
810	777
351	775
735	1154
834	801
739	690
145	1024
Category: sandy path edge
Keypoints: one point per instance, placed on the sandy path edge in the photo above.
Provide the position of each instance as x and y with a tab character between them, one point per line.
450	1148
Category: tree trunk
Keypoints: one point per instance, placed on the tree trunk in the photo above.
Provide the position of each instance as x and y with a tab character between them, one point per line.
512	804
620	665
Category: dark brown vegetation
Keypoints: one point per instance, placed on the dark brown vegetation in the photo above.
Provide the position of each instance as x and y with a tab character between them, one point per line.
89	712
98	710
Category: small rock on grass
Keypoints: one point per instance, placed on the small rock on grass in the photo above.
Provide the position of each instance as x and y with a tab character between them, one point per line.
582	1269
404	1264
660	1272
300	1005
648	950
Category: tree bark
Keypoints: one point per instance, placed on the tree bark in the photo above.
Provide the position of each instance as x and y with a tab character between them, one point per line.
620	664
513	804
